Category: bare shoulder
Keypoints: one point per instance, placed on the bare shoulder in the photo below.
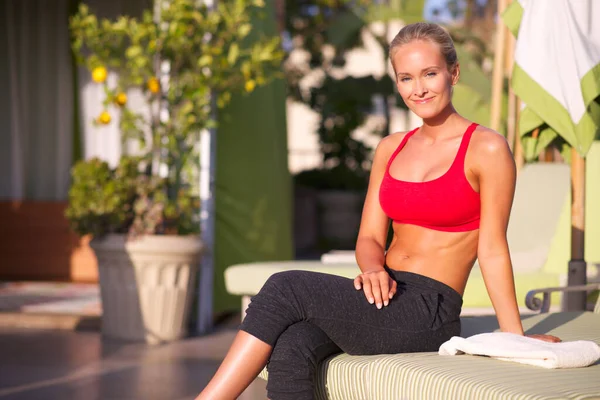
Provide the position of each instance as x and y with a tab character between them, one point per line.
389	144
487	144
490	154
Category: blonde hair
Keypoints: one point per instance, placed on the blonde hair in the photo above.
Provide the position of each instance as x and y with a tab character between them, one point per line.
429	32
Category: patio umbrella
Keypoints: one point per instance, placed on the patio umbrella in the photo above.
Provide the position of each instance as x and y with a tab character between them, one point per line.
557	75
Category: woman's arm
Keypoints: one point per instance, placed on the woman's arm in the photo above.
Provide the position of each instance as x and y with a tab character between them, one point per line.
374	224
495	168
372	235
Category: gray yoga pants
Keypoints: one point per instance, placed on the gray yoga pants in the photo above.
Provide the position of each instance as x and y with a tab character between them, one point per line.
309	316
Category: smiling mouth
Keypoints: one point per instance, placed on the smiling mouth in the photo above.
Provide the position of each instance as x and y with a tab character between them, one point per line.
424	101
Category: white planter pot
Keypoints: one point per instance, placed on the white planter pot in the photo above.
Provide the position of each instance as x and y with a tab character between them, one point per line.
340	213
147	285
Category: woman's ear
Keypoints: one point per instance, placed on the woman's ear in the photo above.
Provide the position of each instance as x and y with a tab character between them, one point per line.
455	74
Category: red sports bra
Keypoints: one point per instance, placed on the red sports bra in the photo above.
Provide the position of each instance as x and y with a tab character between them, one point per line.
447	203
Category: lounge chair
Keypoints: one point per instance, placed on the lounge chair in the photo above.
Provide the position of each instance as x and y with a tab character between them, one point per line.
431	376
538	234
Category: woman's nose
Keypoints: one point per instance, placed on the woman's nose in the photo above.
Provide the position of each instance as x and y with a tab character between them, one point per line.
420	88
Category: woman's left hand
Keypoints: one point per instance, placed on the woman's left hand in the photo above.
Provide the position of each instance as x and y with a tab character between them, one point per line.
545	338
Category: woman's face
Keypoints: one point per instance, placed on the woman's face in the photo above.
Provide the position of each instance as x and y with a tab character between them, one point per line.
422	77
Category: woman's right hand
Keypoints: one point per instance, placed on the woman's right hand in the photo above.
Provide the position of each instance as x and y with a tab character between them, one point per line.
545	338
378	286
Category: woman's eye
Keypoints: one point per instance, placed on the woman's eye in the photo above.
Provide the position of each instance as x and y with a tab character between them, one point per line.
430	74
405	79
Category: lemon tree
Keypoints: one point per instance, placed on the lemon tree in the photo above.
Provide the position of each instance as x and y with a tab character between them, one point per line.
210	54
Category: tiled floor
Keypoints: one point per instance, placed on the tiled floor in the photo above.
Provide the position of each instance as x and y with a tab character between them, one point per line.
69	365
50	298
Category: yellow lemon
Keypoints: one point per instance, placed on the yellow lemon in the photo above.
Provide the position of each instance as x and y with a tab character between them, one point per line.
153	85
250	85
99	74
121	99
104	118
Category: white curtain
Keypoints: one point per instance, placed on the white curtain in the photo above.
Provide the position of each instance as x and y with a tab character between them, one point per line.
36	110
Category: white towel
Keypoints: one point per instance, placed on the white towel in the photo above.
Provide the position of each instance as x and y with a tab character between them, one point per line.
525	350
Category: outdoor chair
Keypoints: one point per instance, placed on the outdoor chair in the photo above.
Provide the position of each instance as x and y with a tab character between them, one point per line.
431	376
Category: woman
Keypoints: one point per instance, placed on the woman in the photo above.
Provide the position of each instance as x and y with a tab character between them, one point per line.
447	187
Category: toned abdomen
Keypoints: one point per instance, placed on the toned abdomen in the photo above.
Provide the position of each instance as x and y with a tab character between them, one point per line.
444	256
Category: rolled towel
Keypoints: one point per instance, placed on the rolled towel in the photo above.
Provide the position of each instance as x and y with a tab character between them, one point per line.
525	350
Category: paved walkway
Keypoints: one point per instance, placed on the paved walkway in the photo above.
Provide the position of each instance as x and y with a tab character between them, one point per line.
50	297
75	365
51	348
50	305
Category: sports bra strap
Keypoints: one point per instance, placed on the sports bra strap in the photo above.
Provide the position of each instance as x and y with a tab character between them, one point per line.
400	146
462	150
460	155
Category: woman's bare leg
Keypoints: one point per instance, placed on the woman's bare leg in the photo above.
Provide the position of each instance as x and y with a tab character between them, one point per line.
246	357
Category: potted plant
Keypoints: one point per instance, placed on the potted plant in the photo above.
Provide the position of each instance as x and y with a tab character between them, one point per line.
143	214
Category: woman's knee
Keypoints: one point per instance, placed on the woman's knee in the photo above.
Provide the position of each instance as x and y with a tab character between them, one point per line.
275	307
285	277
282	283
302	345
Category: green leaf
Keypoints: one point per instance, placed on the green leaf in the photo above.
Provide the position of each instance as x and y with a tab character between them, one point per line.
565	152
244	30
121	24
133	51
205	60
344	28
246	69
533	147
234	52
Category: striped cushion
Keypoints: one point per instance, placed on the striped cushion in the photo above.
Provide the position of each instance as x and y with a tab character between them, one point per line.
430	376
341	377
